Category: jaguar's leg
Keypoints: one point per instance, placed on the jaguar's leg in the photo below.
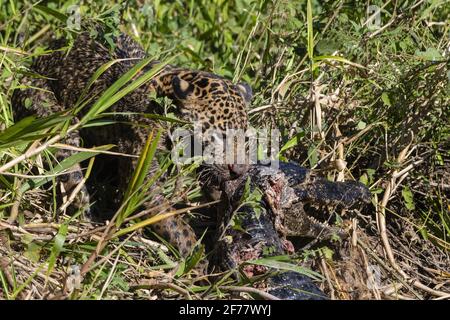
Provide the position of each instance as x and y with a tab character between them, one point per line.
175	230
180	234
71	180
38	99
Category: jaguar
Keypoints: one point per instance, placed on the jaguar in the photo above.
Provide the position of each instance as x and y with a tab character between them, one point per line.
60	78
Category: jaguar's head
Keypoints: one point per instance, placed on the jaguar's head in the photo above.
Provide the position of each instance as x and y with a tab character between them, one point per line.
218	109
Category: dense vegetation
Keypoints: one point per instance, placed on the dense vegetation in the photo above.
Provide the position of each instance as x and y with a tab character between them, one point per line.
355	98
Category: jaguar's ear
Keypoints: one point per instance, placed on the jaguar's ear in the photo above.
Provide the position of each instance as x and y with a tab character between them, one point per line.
182	89
246	91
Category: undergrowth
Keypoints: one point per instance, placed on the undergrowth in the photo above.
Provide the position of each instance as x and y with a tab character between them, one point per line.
355	98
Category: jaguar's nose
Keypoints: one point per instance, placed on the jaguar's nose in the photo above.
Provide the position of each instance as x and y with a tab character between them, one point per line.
237	170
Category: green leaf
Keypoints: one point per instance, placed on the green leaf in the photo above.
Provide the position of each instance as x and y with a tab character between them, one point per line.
246	192
309	18
367	177
363	179
114	93
33	252
327	46
164	118
196	256
236	223
139	175
313	157
361	125
408	198
292	142
338	59
51	12
424	233
181	269
250	197
385	99
14	130
431	54
272	262
66	164
95	76
58	244
29	129
327	253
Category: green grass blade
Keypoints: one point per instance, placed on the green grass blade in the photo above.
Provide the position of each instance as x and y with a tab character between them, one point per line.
112	94
51	12
66	164
140	173
97	74
282	265
58	245
309	18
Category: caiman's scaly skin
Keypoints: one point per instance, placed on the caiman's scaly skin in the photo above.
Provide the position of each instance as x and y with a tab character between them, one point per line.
279	212
215	102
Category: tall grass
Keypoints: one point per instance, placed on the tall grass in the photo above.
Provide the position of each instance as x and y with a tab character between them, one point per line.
351	100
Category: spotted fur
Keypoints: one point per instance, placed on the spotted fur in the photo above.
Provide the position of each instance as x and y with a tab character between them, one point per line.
215	101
